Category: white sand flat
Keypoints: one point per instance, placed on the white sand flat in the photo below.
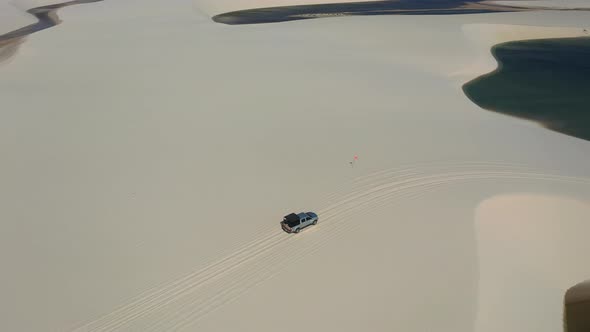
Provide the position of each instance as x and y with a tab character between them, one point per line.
148	155
528	248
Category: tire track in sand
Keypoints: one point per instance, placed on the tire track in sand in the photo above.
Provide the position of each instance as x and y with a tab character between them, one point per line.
275	264
183	302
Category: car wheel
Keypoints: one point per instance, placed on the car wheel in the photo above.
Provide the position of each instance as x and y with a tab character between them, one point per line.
297	230
315	222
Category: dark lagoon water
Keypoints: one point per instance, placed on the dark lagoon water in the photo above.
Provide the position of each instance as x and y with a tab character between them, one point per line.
387	7
46	19
577	317
547	81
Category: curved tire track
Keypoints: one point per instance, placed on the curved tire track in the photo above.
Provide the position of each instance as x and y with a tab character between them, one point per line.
183	302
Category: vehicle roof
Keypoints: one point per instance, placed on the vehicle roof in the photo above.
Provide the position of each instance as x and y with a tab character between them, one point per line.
292	217
299	216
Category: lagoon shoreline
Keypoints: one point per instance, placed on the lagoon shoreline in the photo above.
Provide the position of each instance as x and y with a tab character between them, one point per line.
558	63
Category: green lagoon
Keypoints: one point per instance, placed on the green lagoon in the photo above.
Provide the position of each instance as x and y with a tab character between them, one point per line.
547	81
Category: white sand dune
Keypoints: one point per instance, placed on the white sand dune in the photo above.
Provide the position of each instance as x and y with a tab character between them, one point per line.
529	247
149	154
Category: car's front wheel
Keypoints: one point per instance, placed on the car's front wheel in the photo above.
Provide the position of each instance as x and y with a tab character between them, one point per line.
297	230
315	222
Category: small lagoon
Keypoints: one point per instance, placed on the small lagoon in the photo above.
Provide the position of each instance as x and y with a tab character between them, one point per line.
371	8
547	81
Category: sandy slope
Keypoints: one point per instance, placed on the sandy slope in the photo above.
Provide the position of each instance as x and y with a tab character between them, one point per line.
148	155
